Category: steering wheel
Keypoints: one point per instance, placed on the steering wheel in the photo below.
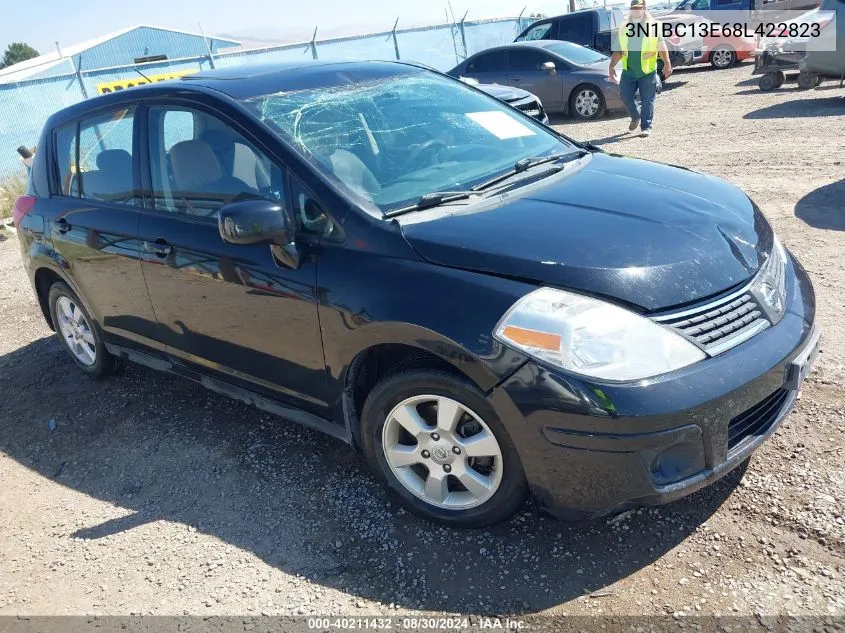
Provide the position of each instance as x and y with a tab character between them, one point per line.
432	146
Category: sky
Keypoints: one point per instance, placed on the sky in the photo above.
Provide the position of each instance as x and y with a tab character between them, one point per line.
265	20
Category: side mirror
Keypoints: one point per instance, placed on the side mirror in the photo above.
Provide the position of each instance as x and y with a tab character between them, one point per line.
259	221
549	67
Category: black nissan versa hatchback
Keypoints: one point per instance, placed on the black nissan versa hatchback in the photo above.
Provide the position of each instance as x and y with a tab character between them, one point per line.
483	308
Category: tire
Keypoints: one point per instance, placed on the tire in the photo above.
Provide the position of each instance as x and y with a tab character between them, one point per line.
424	392
780	77
808	81
580	97
723	57
81	339
768	82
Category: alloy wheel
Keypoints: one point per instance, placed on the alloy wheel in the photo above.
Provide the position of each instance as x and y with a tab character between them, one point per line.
76	331
722	57
442	452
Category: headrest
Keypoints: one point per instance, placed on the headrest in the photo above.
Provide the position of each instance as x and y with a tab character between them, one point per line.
114	160
194	165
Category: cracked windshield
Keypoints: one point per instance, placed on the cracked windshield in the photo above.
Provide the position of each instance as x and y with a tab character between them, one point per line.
396	139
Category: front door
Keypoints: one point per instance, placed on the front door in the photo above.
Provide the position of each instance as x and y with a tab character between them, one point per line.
230	309
94	224
525	70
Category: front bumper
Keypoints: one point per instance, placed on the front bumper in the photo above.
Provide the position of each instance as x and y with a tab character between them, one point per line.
592	448
681	57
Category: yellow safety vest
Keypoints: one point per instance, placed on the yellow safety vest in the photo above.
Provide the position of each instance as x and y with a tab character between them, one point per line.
648	54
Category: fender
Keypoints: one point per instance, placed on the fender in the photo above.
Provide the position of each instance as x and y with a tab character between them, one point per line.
485	371
43	256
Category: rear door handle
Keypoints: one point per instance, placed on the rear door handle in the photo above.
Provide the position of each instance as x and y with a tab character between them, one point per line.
62	225
160	248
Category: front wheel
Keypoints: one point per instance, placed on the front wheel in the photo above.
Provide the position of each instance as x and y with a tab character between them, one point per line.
770	81
587	102
437	444
808	81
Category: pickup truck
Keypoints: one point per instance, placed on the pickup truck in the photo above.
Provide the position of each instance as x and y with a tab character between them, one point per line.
595	28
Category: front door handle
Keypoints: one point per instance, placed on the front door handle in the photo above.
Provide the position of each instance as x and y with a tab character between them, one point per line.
160	248
62	225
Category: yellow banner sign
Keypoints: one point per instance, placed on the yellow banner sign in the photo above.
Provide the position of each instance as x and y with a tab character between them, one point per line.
123	84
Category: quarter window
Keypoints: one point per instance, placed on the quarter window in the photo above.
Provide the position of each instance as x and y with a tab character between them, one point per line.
105	157
198	164
66	160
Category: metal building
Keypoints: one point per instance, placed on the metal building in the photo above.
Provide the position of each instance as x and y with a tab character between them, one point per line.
132	45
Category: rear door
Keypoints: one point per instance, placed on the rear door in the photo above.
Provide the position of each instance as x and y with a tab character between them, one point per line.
94	222
525	70
489	68
234	310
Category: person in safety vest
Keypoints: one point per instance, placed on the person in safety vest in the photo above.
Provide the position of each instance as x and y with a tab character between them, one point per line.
639	44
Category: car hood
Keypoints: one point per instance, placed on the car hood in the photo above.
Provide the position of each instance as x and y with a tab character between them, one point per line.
646	234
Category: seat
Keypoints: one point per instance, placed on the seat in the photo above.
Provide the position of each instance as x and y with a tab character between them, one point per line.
198	174
112	180
331	134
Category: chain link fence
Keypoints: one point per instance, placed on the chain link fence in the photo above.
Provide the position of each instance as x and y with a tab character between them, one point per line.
25	105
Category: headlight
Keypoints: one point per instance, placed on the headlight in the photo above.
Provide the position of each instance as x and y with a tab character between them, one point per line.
593	338
769	287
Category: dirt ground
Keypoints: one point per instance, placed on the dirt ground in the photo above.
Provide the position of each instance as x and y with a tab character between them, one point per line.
147	494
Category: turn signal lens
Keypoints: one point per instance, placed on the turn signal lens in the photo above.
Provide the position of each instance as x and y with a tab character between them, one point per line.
532	338
593	338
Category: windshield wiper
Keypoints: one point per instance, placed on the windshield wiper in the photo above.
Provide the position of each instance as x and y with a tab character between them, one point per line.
428	200
527	163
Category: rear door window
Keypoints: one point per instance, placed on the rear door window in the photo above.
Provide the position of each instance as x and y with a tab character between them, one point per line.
494	62
105	157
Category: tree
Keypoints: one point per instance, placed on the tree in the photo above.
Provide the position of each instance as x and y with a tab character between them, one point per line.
17	52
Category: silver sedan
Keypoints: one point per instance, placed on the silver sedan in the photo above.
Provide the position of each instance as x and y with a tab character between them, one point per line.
566	77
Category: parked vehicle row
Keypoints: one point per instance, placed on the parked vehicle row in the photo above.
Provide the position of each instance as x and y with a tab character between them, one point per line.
480	306
566	77
805	58
594	28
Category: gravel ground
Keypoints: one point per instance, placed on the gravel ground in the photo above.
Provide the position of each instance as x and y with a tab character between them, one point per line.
147	494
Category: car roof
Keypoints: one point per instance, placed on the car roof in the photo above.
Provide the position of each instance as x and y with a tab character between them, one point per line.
251	80
542	44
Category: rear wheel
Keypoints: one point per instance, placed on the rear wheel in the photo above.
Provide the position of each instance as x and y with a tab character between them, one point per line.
437	444
722	57
79	333
587	102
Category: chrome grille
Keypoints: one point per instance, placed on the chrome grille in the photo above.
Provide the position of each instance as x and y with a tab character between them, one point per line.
720	325
724	323
532	108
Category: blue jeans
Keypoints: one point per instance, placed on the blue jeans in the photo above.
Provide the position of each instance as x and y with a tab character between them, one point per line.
628	86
